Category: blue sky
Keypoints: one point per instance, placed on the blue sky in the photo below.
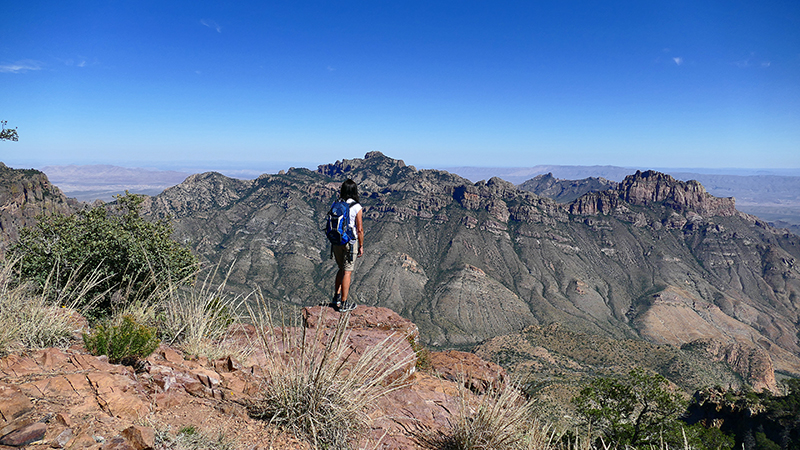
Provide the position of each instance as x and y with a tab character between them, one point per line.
176	84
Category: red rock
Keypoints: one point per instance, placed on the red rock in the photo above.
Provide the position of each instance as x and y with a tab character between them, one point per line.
142	438
118	396
168	400
63	438
362	317
477	374
209	378
118	443
13	404
84	440
170	355
51	359
25	435
63	419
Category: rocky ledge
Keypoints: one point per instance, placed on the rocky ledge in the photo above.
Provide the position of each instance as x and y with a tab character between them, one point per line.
66	398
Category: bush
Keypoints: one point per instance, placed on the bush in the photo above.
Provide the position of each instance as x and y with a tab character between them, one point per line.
637	410
128	252
126	343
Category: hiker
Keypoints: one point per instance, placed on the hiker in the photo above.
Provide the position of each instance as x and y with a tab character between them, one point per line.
352	227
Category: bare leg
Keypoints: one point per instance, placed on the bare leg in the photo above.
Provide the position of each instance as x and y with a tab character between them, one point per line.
337	287
345	284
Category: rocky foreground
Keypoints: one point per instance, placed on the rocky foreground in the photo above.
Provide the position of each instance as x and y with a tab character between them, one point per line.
67	398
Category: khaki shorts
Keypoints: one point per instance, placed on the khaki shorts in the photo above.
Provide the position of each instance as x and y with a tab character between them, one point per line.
345	256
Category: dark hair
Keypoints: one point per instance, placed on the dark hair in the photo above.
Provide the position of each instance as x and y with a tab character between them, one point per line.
349	190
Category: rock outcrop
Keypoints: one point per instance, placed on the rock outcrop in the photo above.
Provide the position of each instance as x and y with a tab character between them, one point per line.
651	187
66	398
25	194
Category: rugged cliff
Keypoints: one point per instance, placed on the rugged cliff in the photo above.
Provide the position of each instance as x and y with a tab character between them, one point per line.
655	258
24	194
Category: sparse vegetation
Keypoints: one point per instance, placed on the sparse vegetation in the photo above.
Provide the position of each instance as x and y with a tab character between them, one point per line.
190	438
125	342
197	319
500	419
316	387
29	319
422	352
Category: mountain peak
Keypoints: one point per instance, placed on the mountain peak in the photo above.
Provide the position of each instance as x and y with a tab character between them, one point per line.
645	188
652	187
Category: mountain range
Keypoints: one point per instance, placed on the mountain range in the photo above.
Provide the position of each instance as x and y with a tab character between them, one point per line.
650	260
654	258
773	195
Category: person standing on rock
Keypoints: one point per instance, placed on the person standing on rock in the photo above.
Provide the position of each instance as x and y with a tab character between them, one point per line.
346	253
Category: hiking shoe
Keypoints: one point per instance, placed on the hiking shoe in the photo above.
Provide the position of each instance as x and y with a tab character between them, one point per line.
347	306
336	302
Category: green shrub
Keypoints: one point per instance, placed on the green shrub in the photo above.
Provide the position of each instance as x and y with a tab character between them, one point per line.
127	251
125	343
423	354
637	410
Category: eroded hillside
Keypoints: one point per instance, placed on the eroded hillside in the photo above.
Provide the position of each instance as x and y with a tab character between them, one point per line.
655	258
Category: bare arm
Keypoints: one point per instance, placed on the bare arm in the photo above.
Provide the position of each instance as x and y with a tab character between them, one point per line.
360	232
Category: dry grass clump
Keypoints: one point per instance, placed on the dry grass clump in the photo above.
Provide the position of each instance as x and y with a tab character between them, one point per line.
197	319
501	419
314	385
33	318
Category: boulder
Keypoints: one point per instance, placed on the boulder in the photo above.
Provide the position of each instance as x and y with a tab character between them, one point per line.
477	374
25	435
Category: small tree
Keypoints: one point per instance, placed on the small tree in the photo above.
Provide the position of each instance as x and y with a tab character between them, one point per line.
636	410
128	251
7	134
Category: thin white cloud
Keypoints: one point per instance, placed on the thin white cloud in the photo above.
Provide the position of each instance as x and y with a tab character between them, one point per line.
211	24
678	60
76	63
331	69
745	63
21	66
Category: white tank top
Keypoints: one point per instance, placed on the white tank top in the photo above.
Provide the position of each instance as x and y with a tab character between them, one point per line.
354	209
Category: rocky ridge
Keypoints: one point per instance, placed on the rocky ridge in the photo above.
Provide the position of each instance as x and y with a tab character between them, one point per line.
25	194
565	191
469	262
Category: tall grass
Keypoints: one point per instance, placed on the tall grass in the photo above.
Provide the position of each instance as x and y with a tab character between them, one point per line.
501	419
34	318
314	384
198	319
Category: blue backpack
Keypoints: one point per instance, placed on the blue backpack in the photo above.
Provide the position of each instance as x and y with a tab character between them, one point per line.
338	227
